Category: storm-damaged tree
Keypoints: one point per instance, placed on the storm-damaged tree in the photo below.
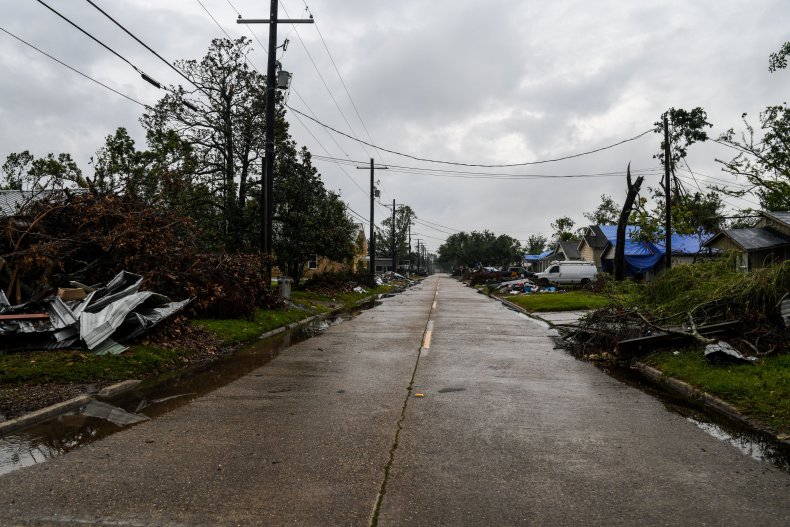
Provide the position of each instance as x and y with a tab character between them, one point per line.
221	116
309	221
764	157
619	248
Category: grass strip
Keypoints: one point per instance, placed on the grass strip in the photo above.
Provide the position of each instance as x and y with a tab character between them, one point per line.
761	391
568	301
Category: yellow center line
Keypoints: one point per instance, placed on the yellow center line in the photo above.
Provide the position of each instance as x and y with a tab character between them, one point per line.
426	340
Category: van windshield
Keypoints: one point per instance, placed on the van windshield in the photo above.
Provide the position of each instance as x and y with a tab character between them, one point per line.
554	269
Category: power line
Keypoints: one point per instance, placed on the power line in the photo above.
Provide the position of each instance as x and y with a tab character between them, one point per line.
323	81
563	158
146	46
342	82
146	77
74	69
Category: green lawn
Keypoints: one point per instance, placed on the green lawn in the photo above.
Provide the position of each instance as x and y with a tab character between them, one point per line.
761	391
567	301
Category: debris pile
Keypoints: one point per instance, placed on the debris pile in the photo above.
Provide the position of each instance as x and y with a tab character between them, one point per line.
60	237
96	318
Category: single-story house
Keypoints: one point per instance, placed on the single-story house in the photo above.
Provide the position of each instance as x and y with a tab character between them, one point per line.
645	259
764	244
358	262
539	262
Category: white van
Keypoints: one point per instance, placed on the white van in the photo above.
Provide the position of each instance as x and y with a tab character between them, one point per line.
568	272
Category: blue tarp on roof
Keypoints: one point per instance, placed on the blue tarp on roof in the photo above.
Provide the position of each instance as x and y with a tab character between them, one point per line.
687	243
640	257
536	257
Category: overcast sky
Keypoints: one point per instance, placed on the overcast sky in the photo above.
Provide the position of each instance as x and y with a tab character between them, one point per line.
478	82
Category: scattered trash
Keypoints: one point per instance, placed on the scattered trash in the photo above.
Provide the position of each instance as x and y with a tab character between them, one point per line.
723	353
785	311
360	289
419	395
96	318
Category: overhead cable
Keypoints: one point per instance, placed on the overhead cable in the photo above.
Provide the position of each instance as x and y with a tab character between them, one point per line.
481	165
146	46
74	69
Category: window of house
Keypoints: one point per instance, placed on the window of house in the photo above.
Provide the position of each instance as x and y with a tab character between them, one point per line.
313	264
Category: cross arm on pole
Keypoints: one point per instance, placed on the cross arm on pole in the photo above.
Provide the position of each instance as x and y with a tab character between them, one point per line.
278	21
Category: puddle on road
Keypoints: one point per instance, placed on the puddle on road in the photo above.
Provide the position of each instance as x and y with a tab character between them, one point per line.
756	445
149	400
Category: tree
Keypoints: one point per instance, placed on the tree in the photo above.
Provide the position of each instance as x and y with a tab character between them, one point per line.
223	121
309	221
23	171
479	248
606	213
536	244
404	218
562	230
622	222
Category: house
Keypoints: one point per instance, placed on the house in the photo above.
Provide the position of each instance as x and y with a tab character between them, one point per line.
539	262
593	244
358	262
646	259
764	244
567	251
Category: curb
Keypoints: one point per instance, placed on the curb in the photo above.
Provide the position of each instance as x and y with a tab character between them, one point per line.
23	421
709	401
37	416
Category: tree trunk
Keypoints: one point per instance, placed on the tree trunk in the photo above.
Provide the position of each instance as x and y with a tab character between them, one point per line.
619	248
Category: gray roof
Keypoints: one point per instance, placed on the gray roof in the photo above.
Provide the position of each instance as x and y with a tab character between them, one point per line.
752	239
595	237
570	249
12	200
783	216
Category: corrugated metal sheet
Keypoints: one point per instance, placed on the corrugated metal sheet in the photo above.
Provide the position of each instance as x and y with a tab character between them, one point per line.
95	328
60	316
785	309
754	239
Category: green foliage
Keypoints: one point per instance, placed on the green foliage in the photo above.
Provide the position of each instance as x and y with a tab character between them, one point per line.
762	391
404	218
563	230
568	301
607	212
479	248
778	60
764	161
23	171
692	213
685	129
309	220
536	244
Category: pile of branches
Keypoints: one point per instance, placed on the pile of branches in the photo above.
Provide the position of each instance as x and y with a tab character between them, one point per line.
334	282
88	238
688	297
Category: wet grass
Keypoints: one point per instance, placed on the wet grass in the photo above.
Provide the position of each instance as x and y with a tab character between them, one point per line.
567	301
761	391
340	299
234	331
84	367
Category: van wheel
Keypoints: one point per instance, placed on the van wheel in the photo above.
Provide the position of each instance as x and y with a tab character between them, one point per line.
585	283
543	282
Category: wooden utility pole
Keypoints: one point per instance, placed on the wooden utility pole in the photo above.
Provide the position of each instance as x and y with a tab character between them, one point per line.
372	243
267	185
667	188
394	251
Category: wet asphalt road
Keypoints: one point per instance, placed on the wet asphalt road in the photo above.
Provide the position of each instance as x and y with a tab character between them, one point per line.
509	431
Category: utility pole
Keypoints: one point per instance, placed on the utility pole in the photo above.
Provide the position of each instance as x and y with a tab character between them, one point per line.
418	254
409	271
394	251
668	204
271	98
373	196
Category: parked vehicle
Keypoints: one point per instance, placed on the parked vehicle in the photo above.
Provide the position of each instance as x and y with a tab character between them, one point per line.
570	272
520	272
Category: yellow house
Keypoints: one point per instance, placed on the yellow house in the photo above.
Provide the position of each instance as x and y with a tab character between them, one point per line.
325	265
